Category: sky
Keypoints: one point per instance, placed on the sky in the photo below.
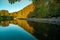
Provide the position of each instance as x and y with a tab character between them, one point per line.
5	5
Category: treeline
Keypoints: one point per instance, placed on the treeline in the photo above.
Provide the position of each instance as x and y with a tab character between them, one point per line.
5	18
45	9
5	15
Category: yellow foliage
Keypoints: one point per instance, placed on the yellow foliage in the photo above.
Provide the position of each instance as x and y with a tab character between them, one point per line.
21	14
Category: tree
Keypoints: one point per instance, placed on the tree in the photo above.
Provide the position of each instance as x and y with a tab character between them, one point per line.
13	1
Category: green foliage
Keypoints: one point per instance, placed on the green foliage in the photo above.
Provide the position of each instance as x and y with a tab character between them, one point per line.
13	1
0	18
46	9
5	18
54	9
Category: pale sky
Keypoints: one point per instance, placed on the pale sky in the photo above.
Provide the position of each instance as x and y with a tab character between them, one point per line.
5	5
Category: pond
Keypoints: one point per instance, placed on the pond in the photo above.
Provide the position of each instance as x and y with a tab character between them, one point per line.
46	31
9	31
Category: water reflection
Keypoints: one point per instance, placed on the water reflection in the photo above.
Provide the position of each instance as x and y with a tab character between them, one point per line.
22	23
14	32
46	31
4	23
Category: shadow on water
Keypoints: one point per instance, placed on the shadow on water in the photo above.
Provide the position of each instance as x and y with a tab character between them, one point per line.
46	31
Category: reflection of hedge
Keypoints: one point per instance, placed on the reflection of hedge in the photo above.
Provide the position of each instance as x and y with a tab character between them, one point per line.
46	8
3	18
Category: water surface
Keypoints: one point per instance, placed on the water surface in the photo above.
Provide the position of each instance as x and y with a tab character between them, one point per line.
14	32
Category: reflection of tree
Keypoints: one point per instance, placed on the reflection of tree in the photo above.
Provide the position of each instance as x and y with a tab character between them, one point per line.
44	31
21	23
4	23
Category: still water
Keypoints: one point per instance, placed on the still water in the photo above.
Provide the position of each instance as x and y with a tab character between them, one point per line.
14	32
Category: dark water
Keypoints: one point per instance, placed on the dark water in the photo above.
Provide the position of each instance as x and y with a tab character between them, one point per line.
46	31
14	32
